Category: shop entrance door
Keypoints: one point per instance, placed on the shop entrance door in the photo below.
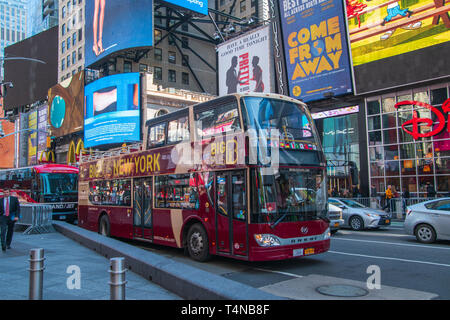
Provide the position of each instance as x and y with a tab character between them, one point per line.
142	209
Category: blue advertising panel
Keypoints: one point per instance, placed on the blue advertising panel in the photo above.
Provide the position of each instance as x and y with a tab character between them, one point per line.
112	110
115	25
199	6
316	48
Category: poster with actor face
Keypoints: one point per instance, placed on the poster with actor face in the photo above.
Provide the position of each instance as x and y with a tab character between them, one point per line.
113	25
245	63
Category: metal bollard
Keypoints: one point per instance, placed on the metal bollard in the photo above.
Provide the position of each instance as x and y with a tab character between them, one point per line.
36	274
117	279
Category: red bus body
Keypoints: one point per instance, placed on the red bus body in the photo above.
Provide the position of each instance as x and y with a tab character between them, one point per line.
30	184
101	180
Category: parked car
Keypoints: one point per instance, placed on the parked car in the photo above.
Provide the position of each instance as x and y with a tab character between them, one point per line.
335	216
359	217
429	220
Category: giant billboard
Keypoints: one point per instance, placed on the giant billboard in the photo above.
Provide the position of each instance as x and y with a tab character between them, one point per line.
381	29
199	6
112	110
115	25
245	63
66	104
316	49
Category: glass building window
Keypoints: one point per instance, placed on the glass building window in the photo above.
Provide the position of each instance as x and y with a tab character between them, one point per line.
157	73
157	54
172	76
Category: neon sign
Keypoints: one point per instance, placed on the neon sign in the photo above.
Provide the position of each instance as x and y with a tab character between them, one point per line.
416	122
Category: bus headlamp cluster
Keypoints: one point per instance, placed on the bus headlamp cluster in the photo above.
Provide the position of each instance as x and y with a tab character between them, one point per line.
267	240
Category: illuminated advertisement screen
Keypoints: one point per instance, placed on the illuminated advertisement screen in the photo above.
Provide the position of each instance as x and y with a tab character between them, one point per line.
112	110
115	25
380	29
199	6
316	48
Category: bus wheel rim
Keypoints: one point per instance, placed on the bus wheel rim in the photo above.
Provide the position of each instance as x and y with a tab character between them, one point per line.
196	243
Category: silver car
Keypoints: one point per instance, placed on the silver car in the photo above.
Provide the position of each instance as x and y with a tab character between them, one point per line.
359	217
429	220
335	216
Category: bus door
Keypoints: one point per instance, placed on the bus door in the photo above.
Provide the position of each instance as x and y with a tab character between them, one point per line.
231	213
142	208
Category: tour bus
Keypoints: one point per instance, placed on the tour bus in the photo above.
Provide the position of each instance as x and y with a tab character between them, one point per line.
54	184
241	176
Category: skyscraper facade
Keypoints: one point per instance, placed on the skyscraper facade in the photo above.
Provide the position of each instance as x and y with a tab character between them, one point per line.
13	25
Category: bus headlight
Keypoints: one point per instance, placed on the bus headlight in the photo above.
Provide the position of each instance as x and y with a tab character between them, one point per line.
267	240
327	234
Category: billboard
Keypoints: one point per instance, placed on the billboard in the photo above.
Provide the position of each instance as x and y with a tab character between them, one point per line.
381	29
112	110
31	78
7	145
245	63
115	25
316	49
32	138
199	6
66	103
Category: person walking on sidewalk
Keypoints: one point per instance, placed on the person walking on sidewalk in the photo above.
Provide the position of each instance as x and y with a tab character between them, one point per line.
389	195
9	214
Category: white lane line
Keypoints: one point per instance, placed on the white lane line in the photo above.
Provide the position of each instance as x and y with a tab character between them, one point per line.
389	258
279	272
371	233
394	243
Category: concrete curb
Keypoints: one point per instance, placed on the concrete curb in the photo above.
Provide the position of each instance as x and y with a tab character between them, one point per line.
181	279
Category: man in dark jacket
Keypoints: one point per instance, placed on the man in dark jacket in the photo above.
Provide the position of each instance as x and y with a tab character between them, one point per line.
9	214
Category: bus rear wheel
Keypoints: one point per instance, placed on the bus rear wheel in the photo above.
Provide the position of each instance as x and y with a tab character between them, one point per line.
104	226
197	243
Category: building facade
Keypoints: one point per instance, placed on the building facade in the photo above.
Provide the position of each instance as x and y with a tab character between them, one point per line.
13	25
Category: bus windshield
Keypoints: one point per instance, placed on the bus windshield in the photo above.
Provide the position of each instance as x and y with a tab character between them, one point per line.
58	183
291	195
291	121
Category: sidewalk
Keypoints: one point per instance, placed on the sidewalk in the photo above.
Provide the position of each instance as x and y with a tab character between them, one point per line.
60	253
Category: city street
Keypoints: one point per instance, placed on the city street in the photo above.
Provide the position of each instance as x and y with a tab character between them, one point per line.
403	263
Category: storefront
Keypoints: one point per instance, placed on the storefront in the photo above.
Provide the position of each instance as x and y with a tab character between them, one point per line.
408	135
340	132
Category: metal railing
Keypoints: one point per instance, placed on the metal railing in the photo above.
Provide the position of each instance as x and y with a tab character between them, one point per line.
38	218
396	207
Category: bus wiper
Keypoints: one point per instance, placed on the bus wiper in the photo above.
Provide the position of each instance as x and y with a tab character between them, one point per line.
273	225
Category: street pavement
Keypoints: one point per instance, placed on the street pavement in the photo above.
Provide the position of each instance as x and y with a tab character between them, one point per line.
63	259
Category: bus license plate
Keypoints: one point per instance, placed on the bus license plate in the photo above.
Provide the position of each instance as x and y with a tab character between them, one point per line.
62	217
297	252
309	251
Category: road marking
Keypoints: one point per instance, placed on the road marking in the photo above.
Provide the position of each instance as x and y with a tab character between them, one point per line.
389	258
369	233
394	243
280	272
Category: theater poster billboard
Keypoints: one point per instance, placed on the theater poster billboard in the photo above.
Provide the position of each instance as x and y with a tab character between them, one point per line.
381	29
112	110
115	25
316	45
245	63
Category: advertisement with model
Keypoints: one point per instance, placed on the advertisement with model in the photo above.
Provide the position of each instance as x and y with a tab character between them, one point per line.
112	110
316	49
110	24
245	63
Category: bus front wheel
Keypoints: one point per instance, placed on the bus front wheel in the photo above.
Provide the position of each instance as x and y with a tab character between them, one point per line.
197	243
104	226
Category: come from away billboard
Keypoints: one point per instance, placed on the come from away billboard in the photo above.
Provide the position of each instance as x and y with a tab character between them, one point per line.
316	48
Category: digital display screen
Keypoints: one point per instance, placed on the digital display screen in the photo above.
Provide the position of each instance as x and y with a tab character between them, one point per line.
115	25
112	110
199	6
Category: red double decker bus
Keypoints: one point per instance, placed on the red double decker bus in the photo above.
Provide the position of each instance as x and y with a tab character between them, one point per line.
54	184
241	176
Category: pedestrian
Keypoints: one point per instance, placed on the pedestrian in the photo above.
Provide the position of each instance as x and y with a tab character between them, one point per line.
355	191
389	195
405	200
431	193
335	192
9	214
